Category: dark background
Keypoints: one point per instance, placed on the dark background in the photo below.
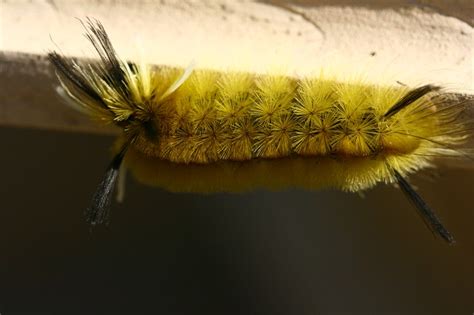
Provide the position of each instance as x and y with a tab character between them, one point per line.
289	252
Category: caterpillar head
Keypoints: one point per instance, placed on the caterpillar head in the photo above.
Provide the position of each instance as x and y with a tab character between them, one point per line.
114	91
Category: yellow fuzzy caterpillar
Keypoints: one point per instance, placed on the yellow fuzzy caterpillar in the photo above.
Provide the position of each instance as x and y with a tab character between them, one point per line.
209	131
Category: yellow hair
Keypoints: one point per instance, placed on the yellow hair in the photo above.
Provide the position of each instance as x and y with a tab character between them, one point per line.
312	132
210	131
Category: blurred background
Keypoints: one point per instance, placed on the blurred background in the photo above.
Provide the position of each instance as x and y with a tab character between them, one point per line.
288	252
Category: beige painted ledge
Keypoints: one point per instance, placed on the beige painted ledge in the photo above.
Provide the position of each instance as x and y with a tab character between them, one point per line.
384	41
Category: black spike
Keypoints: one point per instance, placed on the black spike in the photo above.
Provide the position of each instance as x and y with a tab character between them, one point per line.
113	72
429	217
99	210
67	69
411	97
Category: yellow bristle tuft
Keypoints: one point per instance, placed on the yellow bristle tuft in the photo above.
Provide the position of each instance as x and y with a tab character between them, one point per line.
234	99
272	98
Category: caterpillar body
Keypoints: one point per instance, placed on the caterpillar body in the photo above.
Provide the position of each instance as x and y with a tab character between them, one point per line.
208	131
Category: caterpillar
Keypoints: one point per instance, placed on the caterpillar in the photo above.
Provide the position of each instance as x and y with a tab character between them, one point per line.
208	131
